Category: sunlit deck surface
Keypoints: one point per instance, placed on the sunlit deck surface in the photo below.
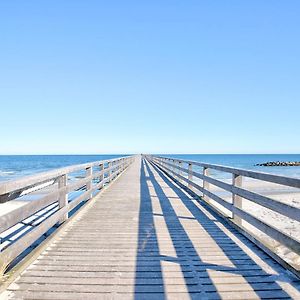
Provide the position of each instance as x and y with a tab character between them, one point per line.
146	238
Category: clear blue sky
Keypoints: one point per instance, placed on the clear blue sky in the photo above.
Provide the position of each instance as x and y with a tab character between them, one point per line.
149	76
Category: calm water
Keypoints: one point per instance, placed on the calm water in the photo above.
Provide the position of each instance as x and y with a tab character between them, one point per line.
247	161
15	166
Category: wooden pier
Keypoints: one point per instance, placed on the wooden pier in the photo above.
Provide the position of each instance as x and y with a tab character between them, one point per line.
144	235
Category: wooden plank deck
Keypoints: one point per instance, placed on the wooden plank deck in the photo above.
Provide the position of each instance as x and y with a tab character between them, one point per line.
146	238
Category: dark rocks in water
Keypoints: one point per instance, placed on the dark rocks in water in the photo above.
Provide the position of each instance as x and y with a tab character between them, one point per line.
280	164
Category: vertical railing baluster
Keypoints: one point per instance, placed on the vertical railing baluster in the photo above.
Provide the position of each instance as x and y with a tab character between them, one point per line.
174	168
89	184
237	200
110	171
63	195
123	164
115	168
190	175
205	184
113	164
179	171
102	175
116	162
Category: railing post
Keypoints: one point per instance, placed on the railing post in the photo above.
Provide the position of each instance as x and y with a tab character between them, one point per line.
122	165
110	171
113	171
171	167
117	168
175	169
179	171
63	195
102	175
89	184
237	200
190	175
205	183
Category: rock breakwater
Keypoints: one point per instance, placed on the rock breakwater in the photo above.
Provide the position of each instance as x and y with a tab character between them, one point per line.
280	164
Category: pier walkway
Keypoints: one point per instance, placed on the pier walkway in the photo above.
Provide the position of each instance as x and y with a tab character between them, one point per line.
144	237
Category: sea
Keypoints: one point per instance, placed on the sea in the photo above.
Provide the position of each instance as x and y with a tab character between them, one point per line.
16	166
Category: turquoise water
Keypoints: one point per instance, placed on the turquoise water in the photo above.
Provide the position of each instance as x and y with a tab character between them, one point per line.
15	166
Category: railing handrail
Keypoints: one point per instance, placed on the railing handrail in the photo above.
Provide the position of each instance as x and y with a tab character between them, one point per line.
55	205
15	185
174	168
269	177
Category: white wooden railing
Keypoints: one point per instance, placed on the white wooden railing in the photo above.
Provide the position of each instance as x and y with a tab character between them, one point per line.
54	195
184	172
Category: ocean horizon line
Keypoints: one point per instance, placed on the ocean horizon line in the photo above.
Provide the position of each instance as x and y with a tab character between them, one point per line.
173	153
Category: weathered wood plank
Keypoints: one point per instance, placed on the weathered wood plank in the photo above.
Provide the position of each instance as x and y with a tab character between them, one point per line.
42	225
123	247
95	296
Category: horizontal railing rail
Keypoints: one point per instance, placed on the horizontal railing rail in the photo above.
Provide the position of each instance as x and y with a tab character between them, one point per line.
9	189
54	195
186	176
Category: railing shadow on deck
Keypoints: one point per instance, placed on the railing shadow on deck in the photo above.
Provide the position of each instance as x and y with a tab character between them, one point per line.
194	271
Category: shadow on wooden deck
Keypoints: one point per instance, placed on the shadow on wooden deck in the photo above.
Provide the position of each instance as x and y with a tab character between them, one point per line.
241	277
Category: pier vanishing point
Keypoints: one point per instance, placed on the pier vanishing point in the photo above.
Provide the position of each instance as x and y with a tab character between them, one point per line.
143	227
